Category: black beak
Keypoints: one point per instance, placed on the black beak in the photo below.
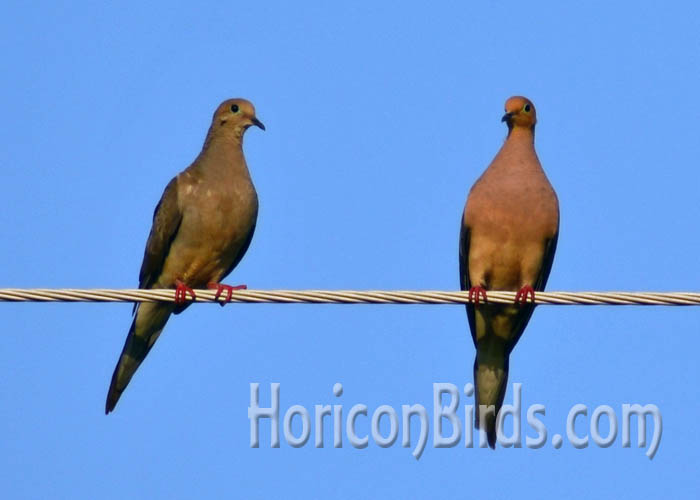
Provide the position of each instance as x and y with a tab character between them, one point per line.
257	123
507	117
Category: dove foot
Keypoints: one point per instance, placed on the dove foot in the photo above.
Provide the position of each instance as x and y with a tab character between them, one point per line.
475	293
521	296
181	291
229	291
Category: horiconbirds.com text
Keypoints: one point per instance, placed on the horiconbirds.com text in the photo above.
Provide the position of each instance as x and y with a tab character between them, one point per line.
387	422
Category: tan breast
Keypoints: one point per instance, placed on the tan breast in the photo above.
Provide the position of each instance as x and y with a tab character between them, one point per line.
216	222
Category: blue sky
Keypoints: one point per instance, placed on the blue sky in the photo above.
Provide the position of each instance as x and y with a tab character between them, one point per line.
379	118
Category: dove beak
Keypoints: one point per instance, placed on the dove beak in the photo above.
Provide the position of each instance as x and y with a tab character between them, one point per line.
257	123
507	117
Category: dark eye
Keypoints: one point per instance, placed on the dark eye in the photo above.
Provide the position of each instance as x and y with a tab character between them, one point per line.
527	108
234	108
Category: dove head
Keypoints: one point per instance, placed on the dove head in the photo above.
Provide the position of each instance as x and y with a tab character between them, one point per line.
233	117
520	112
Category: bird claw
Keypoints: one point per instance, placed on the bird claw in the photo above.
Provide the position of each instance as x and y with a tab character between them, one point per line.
475	293
521	296
229	291
181	291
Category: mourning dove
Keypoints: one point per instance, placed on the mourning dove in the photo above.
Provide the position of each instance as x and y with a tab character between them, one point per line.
507	242
202	227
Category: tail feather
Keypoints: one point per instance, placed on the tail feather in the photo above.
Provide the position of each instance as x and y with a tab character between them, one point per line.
490	379
148	323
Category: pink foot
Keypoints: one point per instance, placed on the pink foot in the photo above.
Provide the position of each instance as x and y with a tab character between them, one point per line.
181	291
475	293
521	296
229	291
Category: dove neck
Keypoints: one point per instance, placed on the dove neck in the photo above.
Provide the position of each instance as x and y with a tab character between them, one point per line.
222	155
524	134
518	152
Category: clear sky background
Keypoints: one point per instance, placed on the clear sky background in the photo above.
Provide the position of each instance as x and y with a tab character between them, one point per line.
379	118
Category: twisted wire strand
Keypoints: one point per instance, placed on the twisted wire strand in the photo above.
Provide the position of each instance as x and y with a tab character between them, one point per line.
348	296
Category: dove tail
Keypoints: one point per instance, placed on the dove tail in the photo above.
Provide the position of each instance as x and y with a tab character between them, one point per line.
490	379
148	323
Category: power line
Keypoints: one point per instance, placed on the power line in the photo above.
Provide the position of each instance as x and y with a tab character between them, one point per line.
347	296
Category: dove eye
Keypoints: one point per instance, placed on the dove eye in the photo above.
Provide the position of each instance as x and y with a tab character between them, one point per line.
527	108
234	108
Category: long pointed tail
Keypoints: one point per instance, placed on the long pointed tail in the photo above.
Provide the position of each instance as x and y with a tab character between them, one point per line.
490	379
149	321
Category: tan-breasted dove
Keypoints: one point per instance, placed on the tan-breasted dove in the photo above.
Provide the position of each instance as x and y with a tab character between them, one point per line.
201	229
507	242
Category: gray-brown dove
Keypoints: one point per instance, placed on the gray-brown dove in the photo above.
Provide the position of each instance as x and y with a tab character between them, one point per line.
507	242
202	227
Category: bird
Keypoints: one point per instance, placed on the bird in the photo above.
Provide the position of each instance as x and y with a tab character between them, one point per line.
508	236
202	227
